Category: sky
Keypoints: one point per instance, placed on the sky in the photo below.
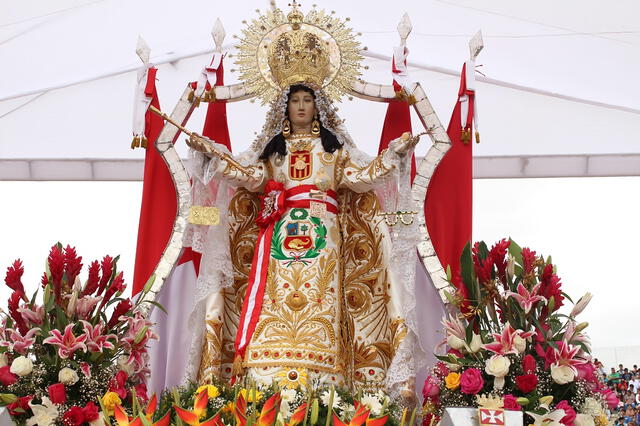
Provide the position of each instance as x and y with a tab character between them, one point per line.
588	225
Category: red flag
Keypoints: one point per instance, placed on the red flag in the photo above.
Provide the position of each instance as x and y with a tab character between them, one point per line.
158	209
397	119
448	206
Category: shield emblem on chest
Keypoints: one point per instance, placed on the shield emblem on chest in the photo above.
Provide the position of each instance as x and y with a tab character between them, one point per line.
300	165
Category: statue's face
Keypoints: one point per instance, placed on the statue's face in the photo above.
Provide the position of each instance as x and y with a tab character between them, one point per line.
301	108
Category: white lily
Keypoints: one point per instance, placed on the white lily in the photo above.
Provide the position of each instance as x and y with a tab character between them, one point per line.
547	419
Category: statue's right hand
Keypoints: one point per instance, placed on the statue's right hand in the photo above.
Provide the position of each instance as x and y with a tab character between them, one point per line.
200	144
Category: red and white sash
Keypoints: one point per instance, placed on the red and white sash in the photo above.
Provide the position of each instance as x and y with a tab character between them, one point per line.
275	201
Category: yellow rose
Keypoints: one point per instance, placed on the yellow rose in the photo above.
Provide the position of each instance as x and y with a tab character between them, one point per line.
109	401
452	381
212	391
253	394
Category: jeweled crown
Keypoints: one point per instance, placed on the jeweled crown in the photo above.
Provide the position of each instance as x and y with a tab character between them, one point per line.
298	56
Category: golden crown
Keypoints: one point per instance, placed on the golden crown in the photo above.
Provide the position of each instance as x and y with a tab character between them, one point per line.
318	49
298	57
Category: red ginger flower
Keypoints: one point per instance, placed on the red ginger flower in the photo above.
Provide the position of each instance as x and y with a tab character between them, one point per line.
551	287
13	279
107	269
56	269
14	306
117	285
499	255
72	264
93	281
528	259
121	308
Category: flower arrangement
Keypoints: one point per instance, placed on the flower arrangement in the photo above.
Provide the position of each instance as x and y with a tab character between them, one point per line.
220	403
73	348
508	338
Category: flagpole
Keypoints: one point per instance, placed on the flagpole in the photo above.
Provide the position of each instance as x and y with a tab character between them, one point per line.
221	155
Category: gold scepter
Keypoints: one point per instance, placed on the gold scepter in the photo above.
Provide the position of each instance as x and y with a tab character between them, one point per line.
221	155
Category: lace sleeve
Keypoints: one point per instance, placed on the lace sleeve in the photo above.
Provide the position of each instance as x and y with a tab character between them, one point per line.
207	168
361	178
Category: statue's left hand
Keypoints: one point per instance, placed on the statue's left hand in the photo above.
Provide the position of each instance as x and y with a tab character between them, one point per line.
405	143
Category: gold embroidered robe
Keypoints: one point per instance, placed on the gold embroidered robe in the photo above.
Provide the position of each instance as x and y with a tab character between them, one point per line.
329	312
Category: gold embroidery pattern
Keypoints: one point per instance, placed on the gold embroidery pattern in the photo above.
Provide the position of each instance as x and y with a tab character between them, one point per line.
367	290
211	355
298	325
326	158
243	233
369	173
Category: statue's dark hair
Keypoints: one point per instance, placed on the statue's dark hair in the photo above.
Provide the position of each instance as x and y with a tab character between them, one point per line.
278	144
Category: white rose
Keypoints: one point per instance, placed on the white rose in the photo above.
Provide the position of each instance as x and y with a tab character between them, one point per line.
562	374
21	366
583	420
3	360
455	342
591	406
99	421
520	343
68	376
476	343
497	366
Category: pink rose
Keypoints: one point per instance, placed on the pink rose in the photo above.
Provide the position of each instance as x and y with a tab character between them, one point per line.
511	402
569	413
471	381
586	372
611	398
430	388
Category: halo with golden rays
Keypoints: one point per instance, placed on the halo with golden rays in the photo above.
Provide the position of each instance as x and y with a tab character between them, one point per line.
335	38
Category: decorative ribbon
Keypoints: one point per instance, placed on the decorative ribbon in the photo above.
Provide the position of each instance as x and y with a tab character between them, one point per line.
142	99
468	100
275	201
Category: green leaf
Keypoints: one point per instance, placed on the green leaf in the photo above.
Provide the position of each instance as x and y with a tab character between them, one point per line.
551	304
449	273
466	267
149	283
567	297
157	305
483	250
516	251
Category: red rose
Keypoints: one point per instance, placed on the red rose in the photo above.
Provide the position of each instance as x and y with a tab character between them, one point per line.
569	413
528	364
141	392
118	384
57	394
527	382
74	416
471	381
90	412
7	378
21	404
511	402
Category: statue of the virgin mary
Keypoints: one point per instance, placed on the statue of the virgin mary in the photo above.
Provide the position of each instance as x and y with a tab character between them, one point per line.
303	282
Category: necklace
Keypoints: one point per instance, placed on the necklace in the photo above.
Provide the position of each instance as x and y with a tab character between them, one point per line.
300	135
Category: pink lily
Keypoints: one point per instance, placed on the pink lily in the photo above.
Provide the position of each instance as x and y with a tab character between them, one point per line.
504	343
96	341
526	298
85	305
139	331
566	354
86	369
68	343
33	316
17	342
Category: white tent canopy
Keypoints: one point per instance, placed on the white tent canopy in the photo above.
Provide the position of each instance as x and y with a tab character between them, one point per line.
560	97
